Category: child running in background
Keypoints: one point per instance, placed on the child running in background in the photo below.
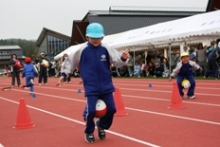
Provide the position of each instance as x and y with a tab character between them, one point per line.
184	70
29	72
64	76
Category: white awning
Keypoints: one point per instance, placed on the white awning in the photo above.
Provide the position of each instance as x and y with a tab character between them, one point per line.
68	50
109	39
197	27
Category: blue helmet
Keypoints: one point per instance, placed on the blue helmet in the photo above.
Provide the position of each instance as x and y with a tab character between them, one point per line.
95	30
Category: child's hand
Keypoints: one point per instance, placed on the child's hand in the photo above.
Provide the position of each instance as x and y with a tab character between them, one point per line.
200	68
125	54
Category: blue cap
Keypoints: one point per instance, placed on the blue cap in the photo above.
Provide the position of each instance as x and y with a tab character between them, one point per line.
95	30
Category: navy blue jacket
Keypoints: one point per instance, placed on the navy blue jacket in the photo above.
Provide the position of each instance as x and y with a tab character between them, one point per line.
185	69
94	65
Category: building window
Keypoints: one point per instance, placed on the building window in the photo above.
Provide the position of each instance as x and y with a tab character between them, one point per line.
56	45
5	53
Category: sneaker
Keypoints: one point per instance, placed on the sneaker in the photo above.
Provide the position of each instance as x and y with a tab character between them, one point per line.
58	84
32	81
33	95
39	84
101	132
89	138
22	86
191	97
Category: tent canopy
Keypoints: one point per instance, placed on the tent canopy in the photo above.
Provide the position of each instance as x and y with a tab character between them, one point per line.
107	39
201	26
68	50
195	28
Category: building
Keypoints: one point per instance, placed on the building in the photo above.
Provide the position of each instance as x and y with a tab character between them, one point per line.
5	55
51	42
213	5
115	20
120	19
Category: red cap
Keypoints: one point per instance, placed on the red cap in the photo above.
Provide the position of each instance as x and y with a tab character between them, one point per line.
27	60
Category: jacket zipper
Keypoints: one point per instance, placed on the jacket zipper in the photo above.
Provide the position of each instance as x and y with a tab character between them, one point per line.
97	68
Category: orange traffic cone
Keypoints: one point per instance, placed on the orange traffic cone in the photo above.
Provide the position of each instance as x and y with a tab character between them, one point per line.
23	118
119	104
176	101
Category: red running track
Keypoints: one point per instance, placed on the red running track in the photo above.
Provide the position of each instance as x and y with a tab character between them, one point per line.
57	115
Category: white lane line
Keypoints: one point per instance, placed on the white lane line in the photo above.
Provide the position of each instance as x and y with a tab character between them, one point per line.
82	123
175	116
140	97
168	91
1	145
133	89
134	109
163	99
136	97
147	90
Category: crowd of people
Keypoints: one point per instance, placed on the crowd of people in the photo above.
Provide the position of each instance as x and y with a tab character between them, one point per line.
156	65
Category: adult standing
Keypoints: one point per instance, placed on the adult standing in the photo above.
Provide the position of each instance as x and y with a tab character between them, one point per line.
43	65
213	61
201	56
15	70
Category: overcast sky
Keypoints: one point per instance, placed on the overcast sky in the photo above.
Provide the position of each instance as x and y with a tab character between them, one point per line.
25	19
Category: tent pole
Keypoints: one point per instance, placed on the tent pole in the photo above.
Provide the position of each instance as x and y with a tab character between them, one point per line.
134	56
170	57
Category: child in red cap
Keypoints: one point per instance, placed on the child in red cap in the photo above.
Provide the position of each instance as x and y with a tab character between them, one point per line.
29	73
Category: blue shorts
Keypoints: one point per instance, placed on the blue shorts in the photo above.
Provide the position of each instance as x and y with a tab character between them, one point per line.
64	75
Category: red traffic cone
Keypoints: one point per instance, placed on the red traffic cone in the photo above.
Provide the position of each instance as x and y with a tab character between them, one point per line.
176	101
119	104
23	118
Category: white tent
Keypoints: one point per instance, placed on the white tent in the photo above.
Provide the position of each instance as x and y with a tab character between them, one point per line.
197	27
68	50
109	39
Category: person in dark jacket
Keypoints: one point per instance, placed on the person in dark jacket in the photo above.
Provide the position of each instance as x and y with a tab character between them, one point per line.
158	70
29	73
213	61
43	69
94	59
184	70
15	71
